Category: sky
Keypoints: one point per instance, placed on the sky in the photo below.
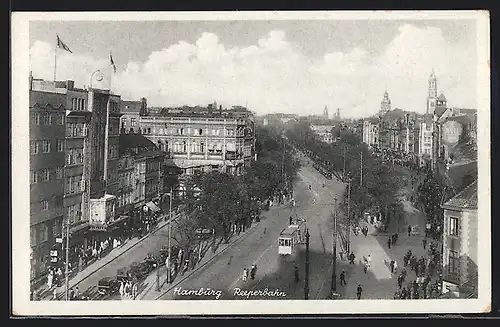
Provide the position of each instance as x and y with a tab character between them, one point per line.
292	66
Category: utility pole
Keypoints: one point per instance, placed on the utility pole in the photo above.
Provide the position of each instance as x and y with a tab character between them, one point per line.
169	236
344	160
66	270
306	282
334	258
348	233
361	171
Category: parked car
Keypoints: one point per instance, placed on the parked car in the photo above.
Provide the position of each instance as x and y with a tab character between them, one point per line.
107	286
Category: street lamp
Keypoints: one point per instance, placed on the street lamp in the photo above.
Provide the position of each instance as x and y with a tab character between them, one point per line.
99	77
306	283
348	234
334	259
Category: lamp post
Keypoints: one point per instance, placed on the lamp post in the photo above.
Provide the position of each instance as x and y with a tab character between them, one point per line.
169	235
306	283
334	258
348	233
99	77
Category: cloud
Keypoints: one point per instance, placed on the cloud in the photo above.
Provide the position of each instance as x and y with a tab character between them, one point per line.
273	75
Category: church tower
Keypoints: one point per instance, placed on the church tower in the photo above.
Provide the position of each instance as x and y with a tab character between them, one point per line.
432	96
325	113
385	105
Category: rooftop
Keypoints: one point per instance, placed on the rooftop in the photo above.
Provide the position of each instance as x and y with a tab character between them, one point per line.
466	199
135	143
439	111
47	100
442	97
130	106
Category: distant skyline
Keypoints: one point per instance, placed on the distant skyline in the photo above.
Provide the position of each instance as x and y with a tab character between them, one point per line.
287	66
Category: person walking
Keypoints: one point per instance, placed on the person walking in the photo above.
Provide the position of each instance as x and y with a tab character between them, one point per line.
409	230
54	294
290	220
391	265
50	279
245	274
253	271
395	267
424	242
121	289
296	273
389	241
400	281
342	278
351	258
359	290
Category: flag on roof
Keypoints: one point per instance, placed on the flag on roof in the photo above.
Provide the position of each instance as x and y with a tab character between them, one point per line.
112	62
62	45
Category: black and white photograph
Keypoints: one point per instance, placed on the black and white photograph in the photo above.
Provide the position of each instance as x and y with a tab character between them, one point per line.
250	162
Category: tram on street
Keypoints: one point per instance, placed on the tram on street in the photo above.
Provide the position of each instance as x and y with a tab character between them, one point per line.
291	237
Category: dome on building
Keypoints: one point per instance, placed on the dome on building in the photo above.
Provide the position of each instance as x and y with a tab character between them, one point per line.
442	97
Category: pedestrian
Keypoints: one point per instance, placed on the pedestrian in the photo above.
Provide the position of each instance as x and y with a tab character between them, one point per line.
54	294
351	258
296	271
77	293
134	291
342	278
409	230
389	241
391	265
400	281
50	279
424	242
121	289
359	291
253	271
395	268
245	274
71	294
290	220
403	274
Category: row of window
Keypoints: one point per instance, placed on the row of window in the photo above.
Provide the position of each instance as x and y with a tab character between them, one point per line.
194	131
75	130
74	184
78	104
46	174
74	156
47	118
133	122
45	146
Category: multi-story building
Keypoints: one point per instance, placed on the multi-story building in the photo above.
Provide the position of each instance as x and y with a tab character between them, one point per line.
425	140
83	130
460	239
141	176
131	112
324	132
47	185
371	132
202	139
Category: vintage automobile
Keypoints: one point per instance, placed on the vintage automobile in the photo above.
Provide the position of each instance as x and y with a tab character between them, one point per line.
107	286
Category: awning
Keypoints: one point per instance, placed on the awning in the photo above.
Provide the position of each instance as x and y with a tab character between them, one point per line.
153	207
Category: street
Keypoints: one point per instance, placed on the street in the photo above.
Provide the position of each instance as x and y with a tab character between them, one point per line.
260	247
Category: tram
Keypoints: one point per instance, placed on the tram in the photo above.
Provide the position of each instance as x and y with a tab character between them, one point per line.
291	237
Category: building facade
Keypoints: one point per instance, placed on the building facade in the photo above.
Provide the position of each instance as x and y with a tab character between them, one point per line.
74	151
201	139
131	112
460	238
47	183
324	132
371	132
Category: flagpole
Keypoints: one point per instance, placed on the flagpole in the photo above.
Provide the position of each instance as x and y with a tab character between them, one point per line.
55	62
106	131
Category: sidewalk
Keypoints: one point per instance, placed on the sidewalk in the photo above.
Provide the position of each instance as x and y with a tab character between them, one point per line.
44	294
149	291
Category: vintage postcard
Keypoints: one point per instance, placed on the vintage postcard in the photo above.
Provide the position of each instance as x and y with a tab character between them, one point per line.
252	163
